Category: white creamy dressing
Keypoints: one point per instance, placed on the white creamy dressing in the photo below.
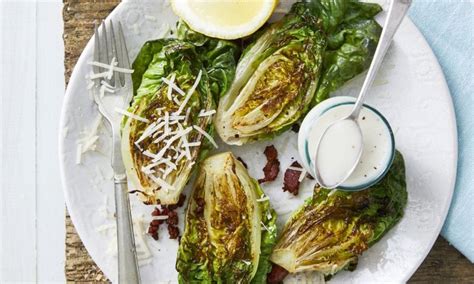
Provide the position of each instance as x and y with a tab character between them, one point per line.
339	150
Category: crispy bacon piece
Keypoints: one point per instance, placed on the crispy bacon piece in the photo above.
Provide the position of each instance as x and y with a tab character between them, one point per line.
153	229
277	274
272	168
173	231
173	218
291	181
156	212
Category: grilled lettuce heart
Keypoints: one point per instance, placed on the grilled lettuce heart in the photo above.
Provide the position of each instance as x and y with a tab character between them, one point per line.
229	231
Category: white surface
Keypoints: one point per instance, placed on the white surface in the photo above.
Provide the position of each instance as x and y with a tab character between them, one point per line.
410	91
31	89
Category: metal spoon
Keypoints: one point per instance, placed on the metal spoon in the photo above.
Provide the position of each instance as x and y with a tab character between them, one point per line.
396	13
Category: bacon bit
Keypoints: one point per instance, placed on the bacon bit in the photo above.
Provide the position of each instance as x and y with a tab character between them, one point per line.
272	168
277	274
173	231
172	218
153	229
242	161
156	223
291	181
156	212
171	207
271	153
164	211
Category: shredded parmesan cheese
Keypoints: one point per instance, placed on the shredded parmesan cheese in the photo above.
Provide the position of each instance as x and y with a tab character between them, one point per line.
190	92
206	113
172	86
112	66
79	154
295	169
161	217
192	144
131	115
302	175
209	137
150	18
265	227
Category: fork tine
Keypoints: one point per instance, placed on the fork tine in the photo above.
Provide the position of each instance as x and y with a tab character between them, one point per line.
115	52
96	58
125	59
104	55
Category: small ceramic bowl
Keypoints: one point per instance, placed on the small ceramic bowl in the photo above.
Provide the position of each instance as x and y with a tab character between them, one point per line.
312	117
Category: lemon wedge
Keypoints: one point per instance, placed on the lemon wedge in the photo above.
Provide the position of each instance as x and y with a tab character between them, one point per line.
225	19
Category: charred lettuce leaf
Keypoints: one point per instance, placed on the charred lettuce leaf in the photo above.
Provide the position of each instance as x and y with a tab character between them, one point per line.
276	79
329	232
152	162
230	230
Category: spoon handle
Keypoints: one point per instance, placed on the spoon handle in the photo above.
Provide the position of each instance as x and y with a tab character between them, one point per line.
396	13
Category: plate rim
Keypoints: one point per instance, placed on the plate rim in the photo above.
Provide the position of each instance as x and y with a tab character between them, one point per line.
68	97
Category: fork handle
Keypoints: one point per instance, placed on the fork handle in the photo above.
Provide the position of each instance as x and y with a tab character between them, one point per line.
127	260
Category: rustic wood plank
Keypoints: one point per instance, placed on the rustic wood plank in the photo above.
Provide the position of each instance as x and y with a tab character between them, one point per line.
444	264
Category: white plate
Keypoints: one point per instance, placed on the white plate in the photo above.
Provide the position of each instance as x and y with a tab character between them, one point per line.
410	91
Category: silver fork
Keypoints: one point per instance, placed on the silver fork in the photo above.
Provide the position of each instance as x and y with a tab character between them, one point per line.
109	44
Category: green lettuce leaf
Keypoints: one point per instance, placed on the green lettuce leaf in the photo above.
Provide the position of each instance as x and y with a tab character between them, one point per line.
218	56
352	35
